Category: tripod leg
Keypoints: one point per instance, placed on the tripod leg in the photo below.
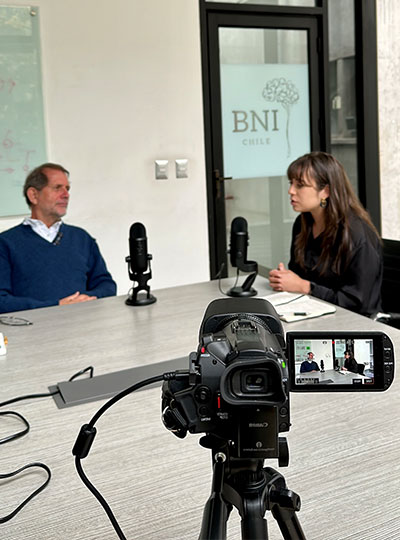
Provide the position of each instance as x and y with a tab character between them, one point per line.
247	492
216	511
254	527
288	523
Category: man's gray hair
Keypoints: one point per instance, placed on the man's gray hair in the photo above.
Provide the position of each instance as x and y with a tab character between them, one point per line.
38	179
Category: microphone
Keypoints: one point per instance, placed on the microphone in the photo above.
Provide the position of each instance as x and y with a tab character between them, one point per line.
138	264
238	246
239	240
322	366
138	248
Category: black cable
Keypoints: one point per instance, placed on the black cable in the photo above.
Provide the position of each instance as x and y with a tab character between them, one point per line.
24	432
86	437
81	372
28	396
18	434
33	396
33	494
219	278
99	497
127	391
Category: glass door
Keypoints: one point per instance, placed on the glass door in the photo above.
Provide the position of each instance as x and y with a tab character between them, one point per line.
264	114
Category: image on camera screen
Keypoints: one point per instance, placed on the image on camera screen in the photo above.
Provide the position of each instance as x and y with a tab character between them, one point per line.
334	361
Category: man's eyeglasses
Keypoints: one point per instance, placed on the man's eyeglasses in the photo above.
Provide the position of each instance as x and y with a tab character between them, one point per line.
15	321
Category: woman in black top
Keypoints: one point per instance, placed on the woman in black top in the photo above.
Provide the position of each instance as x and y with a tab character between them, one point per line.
336	251
350	363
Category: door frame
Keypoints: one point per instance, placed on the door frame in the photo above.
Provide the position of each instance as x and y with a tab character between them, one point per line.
213	15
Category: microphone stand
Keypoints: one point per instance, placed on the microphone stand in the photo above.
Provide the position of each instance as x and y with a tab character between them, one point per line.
141	279
246	289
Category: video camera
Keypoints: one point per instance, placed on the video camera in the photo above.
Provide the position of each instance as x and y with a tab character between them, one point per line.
239	380
236	391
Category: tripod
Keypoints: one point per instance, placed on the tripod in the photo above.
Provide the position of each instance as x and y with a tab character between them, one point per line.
253	490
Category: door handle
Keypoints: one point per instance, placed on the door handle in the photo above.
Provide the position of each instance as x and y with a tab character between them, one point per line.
218	180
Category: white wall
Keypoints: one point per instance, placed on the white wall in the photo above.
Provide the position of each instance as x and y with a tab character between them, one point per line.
122	87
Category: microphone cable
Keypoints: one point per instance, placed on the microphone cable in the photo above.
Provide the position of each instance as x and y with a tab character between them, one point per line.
88	432
21	433
89	369
219	279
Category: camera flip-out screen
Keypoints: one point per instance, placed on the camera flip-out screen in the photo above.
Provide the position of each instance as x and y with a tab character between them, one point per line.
340	361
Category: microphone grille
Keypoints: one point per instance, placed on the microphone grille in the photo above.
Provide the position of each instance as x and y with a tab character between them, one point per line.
239	224
137	230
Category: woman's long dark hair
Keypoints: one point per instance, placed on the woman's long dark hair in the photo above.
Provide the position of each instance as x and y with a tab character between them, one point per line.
342	203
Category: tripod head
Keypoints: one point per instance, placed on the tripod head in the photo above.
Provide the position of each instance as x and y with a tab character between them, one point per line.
252	489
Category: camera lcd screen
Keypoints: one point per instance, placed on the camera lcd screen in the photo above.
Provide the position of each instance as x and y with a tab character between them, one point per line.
340	361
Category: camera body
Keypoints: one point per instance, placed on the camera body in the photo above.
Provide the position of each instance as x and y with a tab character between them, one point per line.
239	379
237	385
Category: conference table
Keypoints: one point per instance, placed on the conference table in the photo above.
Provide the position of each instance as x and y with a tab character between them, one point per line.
344	447
330	376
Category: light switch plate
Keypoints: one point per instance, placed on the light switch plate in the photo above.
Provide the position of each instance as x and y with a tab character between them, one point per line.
161	169
181	167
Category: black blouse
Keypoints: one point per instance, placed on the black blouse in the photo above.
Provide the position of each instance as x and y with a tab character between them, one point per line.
351	365
358	287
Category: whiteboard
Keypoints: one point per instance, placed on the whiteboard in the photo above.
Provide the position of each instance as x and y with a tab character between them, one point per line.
22	133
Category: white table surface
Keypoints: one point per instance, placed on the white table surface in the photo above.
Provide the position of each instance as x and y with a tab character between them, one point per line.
344	448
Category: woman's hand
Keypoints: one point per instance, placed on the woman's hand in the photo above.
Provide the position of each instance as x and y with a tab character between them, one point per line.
282	279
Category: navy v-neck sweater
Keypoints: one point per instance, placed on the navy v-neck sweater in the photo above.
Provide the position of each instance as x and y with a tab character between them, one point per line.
36	273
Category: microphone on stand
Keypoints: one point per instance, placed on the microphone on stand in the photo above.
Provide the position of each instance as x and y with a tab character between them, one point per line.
322	366
239	240
138	263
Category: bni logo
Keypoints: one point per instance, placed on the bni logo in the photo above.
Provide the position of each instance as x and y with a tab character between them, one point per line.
252	121
284	92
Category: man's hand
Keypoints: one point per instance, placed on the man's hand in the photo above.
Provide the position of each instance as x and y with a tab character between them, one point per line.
75	298
282	279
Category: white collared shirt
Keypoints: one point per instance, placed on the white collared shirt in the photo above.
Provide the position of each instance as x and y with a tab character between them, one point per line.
48	233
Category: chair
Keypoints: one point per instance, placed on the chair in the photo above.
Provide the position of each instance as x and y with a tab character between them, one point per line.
360	369
390	285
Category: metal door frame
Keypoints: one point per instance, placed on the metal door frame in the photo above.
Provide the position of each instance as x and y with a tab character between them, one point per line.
214	15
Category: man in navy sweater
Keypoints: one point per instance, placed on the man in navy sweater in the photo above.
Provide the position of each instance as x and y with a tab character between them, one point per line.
309	365
43	261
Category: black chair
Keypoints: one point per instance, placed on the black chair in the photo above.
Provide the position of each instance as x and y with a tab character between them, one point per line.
390	285
360	369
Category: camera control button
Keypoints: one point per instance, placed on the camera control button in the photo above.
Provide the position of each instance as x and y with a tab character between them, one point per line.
202	394
283	411
203	411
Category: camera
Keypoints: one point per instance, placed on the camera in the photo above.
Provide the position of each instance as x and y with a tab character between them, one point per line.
237	385
239	379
